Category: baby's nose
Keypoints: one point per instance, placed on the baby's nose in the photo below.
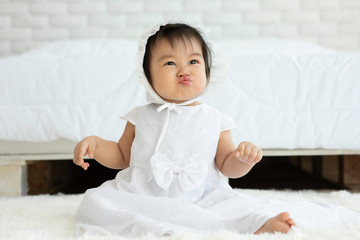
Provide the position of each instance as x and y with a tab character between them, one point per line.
183	71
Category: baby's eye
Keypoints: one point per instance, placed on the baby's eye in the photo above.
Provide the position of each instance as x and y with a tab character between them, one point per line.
170	63
194	61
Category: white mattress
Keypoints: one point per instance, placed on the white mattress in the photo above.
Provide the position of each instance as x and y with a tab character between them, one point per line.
281	93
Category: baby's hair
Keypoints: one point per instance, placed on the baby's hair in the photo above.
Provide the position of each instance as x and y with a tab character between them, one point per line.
172	33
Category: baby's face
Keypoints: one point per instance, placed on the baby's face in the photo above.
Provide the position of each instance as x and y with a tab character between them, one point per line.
178	73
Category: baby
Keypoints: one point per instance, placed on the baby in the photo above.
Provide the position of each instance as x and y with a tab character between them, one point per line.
173	151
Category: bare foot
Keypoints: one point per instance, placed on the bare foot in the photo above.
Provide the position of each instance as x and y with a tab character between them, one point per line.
280	223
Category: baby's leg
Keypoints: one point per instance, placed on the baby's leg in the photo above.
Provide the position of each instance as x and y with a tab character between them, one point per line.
280	223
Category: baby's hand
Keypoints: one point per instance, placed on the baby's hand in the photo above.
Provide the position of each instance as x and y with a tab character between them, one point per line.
85	147
248	153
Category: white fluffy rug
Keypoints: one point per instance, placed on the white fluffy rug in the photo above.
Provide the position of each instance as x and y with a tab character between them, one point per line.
47	217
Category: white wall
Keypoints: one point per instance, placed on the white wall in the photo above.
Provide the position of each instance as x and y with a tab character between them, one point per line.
28	23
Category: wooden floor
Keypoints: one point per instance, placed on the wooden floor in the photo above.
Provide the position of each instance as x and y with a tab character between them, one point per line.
279	173
65	177
270	173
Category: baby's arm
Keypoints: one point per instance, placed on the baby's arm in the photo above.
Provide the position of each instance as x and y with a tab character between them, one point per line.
235	162
108	153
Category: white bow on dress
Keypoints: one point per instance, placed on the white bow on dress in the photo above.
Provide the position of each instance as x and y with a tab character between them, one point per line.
189	176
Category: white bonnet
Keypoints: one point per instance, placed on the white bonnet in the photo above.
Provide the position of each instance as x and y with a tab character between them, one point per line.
218	70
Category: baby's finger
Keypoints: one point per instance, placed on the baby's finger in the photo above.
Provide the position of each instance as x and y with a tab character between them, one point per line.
237	154
76	153
241	150
247	153
79	154
80	162
259	156
253	155
84	165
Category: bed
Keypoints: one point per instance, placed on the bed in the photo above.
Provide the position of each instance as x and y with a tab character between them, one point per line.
289	97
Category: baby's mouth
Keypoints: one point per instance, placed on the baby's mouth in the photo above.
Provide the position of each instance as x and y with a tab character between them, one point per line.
185	80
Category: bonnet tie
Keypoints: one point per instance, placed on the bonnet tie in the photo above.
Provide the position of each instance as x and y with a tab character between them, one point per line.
169	107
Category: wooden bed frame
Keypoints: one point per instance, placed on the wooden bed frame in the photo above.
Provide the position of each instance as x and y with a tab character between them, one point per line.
13	167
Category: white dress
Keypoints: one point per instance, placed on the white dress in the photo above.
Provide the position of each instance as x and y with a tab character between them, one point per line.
172	184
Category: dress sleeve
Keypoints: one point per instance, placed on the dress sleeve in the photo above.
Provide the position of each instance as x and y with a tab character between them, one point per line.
227	123
132	115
